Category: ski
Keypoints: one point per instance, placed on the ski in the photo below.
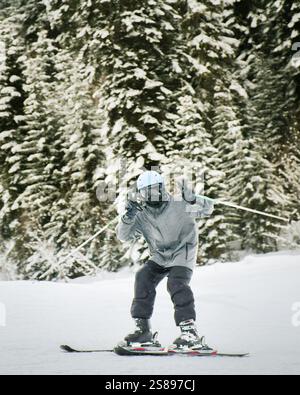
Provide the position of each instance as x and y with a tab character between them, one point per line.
154	351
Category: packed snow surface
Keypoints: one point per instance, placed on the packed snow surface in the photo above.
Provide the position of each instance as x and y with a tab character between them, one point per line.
251	306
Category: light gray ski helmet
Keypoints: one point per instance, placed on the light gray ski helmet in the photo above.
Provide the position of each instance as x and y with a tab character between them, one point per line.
149	178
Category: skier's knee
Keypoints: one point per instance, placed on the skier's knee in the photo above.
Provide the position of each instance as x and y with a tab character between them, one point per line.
180	291
143	286
142	276
175	285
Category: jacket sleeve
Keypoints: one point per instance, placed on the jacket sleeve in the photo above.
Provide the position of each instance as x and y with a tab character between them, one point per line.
201	208
127	230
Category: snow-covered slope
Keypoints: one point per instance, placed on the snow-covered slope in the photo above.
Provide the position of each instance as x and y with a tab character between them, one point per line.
246	306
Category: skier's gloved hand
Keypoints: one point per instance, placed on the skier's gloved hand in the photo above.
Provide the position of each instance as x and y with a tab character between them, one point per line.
187	193
132	209
132	206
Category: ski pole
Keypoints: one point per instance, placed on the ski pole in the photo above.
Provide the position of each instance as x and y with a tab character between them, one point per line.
89	240
217	201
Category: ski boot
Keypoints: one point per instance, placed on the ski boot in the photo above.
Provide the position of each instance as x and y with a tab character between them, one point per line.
189	339
142	335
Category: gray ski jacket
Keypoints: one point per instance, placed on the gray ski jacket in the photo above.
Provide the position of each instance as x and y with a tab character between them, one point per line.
170	231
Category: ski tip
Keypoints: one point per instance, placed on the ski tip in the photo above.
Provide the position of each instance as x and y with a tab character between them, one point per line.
66	348
69	349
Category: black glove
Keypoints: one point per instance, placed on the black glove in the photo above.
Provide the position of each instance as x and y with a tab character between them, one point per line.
132	209
187	193
133	205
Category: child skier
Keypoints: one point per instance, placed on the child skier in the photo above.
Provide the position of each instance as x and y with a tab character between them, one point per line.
168	225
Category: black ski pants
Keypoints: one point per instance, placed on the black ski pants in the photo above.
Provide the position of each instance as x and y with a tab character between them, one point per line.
146	281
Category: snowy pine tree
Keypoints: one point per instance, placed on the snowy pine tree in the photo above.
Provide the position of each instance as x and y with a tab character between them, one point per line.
77	215
143	77
213	46
284	41
267	117
12	98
